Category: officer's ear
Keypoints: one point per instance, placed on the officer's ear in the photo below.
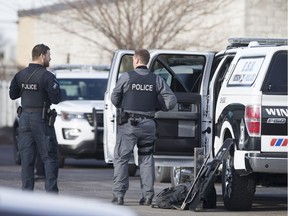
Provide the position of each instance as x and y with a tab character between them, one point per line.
39	59
136	59
44	55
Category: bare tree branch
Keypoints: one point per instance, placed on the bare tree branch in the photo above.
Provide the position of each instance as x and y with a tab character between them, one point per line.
130	24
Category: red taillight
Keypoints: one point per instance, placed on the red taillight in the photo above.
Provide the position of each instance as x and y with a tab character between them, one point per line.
253	120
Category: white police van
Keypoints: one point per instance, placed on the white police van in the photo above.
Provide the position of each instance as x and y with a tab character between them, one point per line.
239	93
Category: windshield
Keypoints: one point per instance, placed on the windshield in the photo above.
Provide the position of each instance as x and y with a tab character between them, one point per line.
82	89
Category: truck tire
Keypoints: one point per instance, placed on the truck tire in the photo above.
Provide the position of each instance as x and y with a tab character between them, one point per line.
180	175
132	169
175	176
238	191
162	174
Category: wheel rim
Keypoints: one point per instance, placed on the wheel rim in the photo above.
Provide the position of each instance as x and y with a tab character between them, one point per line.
176	175
158	169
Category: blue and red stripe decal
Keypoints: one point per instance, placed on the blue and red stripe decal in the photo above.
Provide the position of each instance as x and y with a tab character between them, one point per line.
279	142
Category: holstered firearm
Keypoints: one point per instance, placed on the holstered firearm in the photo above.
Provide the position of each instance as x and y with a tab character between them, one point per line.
134	121
48	114
122	117
52	114
19	111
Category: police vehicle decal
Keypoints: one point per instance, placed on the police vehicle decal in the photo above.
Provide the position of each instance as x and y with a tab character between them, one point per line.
246	71
274	120
275	111
279	142
274	143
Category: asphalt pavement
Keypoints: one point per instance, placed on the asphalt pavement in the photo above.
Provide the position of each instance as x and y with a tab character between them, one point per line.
92	180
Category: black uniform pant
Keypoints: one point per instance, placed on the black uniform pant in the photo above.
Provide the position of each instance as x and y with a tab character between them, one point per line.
35	134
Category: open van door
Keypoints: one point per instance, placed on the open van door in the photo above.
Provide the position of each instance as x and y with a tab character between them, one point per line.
122	62
179	130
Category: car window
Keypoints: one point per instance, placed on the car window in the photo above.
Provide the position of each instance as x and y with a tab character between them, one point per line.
82	89
246	71
276	80
126	64
182	73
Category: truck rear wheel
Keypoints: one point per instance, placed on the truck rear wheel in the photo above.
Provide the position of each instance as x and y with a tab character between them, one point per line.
132	169
162	174
180	175
238	191
175	176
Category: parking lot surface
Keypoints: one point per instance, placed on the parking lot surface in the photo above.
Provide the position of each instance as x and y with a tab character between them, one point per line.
92	179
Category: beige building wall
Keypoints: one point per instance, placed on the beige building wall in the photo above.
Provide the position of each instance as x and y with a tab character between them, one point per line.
212	30
266	18
241	18
65	47
26	40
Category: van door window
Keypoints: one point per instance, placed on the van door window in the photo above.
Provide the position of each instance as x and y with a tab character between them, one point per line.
246	71
126	64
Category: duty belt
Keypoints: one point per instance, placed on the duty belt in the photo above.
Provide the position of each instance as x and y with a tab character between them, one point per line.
30	109
134	115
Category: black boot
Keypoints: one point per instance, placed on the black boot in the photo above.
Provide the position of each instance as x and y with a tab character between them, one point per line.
118	200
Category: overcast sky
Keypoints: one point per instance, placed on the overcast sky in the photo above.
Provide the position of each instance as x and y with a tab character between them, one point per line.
8	15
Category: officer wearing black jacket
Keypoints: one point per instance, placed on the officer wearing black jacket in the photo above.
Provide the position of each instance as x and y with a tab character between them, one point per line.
139	94
38	89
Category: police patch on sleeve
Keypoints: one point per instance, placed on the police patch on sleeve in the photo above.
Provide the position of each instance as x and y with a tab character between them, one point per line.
55	85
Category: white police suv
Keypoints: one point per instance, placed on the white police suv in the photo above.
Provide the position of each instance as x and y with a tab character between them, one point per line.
79	123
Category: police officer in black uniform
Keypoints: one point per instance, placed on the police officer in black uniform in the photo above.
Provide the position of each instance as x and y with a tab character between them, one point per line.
138	93
38	89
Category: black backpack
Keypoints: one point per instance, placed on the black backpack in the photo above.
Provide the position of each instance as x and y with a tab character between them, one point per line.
171	197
